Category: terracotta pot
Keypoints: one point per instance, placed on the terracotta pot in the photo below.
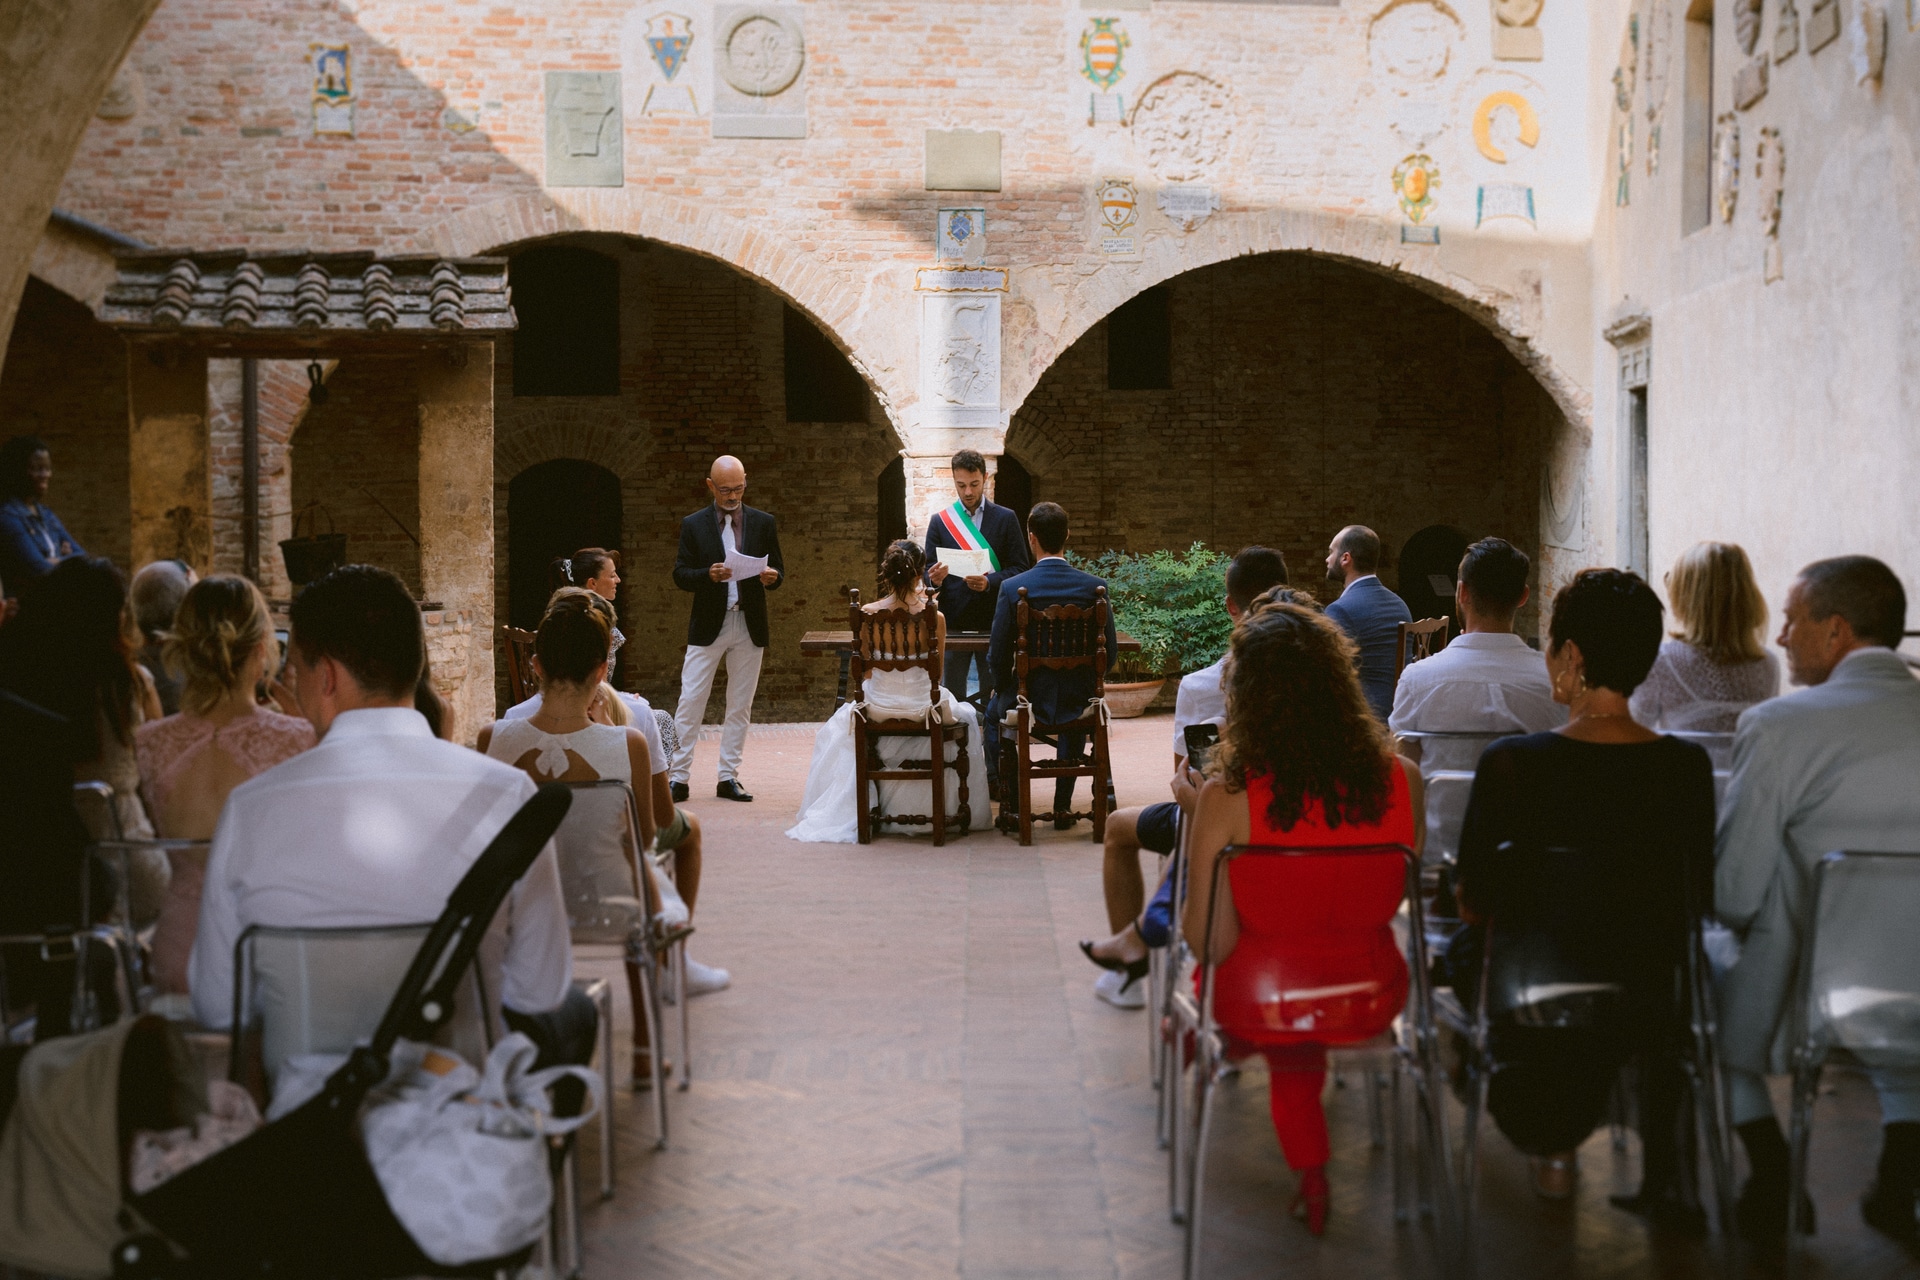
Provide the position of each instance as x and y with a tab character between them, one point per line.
1125	701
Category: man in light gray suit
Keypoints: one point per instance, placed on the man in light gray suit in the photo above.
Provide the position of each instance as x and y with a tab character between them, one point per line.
1832	767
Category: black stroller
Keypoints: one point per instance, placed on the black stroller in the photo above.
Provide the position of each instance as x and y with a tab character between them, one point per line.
298	1198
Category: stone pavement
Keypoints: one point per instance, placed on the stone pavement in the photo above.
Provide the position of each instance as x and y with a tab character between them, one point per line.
911	1077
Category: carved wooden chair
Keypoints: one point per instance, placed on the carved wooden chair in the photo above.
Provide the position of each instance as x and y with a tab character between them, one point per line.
1059	638
521	681
896	640
1419	640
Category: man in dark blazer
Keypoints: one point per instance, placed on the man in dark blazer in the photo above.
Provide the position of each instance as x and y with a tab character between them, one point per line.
974	523
1056	695
729	621
1369	613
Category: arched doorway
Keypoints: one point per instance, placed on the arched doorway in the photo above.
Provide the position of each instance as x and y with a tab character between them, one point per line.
1013	487
1429	563
554	509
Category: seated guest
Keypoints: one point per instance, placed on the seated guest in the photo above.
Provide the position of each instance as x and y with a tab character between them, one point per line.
1487	680
1303	762
1199	701
1830	767
223	646
1369	613
1057	696
1638	807
71	652
830	806
32	539
594	569
379	822
1715	666
156	594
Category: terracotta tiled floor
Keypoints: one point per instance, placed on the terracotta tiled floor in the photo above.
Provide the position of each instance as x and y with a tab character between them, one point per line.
911	1077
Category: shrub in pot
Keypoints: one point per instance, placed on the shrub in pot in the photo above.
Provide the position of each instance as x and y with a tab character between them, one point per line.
1170	602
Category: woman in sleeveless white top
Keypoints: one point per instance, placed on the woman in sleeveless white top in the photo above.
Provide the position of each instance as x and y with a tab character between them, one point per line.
829	812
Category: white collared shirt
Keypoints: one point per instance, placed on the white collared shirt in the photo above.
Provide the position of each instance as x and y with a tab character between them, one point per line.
375	826
1482	682
1199	699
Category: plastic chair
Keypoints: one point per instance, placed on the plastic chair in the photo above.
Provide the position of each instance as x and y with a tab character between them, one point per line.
1447	764
898	640
1058	638
1409	1050
1857	995
1719	747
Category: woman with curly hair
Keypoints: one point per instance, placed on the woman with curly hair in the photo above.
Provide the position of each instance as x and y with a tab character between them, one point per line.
1302	763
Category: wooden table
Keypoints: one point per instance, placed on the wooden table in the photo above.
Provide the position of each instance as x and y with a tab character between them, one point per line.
816	644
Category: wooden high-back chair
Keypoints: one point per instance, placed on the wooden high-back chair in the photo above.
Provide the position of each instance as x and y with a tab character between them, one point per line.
897	640
1061	637
521	682
1425	638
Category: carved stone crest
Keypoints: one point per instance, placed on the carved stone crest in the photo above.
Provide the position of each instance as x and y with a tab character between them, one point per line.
960	358
1183	125
761	52
1726	165
1410	42
584	131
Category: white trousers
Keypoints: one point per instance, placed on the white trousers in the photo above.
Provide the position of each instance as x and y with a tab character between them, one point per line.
736	648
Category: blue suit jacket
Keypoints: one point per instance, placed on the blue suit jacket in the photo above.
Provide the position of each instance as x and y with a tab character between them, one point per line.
1057	696
23	556
1372	615
964	609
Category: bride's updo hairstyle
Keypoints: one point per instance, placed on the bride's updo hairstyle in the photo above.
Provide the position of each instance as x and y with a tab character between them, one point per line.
903	566
573	638
221	622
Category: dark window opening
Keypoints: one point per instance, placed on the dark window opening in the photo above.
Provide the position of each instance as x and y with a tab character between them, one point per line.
1140	344
554	509
1638	553
822	386
892	506
1013	488
567	301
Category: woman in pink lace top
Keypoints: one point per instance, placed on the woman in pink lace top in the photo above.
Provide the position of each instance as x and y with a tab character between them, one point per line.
1716	665
222	643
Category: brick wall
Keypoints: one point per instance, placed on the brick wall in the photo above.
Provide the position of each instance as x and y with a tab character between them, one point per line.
702	374
363	443
1307	395
283	388
66	381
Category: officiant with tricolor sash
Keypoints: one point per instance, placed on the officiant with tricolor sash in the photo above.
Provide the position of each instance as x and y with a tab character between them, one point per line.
971	545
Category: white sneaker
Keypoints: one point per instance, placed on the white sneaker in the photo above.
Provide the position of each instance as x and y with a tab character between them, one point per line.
1113	987
703	979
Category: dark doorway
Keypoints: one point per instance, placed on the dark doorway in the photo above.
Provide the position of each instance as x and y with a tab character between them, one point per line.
1140	343
554	509
567	301
822	386
892	507
1013	488
1428	565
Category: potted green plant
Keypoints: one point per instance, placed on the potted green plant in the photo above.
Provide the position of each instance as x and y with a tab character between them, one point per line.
1170	602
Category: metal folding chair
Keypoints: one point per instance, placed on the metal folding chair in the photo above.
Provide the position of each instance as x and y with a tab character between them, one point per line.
1857	994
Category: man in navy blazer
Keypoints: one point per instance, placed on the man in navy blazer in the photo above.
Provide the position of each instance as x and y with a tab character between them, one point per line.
1369	613
968	603
1056	695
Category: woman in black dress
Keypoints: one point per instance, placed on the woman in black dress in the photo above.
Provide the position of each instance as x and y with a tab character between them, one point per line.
1624	818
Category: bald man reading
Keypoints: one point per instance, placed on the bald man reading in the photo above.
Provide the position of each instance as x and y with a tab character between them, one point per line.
729	622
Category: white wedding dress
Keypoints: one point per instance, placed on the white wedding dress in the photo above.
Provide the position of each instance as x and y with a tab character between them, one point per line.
829	813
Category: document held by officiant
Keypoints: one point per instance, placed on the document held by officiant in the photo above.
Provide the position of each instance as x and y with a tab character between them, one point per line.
966	563
744	568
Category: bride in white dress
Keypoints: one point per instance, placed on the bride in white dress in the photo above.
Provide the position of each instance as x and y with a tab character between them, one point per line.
829	813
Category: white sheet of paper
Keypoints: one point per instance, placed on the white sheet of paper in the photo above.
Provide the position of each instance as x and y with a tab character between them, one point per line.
745	567
965	564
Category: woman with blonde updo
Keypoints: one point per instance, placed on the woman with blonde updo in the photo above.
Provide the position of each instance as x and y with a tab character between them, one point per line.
829	810
1716	664
223	649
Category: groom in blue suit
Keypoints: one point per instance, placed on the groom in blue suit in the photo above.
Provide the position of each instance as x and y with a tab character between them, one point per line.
1057	696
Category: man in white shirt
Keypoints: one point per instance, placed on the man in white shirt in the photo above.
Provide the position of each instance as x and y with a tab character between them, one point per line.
1199	700
377	824
1487	680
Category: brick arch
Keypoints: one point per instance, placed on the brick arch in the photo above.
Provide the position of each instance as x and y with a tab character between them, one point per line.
1367	243
829	297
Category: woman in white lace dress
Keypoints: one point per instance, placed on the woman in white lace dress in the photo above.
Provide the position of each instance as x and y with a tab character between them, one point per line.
1716	665
829	813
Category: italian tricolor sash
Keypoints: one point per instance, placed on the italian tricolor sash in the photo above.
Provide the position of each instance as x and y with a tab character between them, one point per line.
966	533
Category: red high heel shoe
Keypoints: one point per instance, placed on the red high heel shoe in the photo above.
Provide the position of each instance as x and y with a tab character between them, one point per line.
1310	1201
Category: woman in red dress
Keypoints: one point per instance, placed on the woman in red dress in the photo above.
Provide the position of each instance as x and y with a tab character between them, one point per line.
1306	952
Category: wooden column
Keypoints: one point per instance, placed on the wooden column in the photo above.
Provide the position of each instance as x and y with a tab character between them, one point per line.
455	389
171	483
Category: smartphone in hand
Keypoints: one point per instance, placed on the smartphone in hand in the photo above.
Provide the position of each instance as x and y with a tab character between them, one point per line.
1201	740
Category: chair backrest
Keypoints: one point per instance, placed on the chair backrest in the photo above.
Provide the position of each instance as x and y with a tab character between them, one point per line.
598	845
93	801
324	991
1419	640
894	640
1859	981
1334	899
1062	637
1719	746
521	681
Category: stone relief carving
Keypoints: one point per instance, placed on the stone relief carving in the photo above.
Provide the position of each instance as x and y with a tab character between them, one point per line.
759	66
124	96
1867	41
1726	165
1516	34
1769	189
1183	125
1410	42
960	357
1563	489
584	133
1823	25
1746	24
1750	81
1786	31
1656	68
